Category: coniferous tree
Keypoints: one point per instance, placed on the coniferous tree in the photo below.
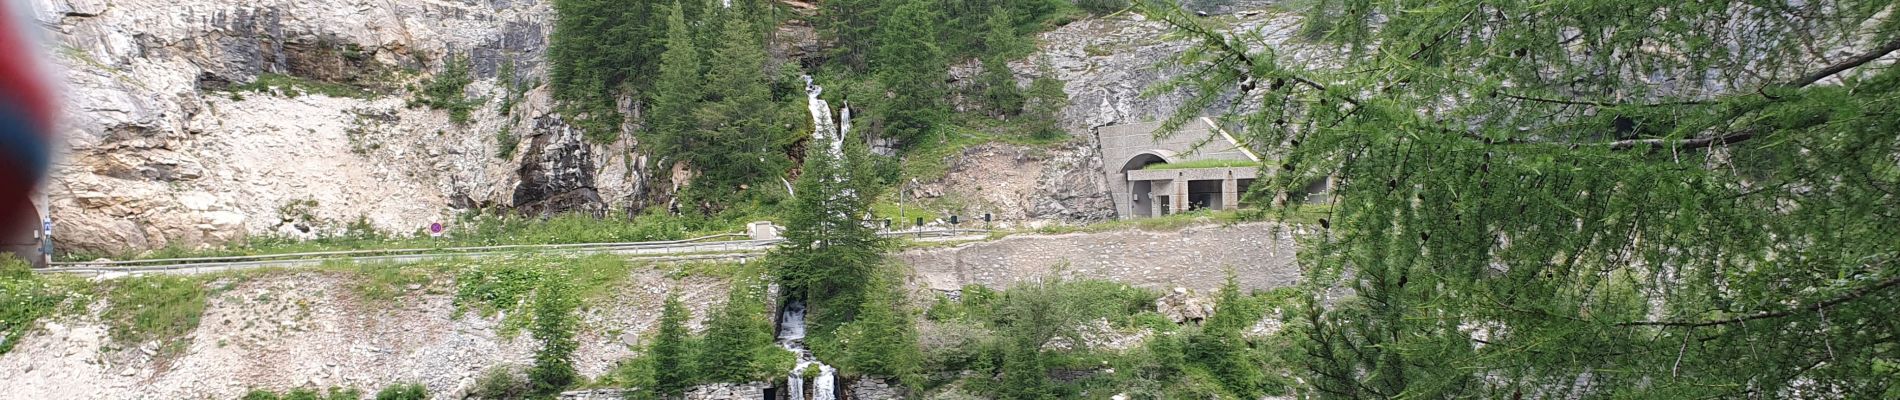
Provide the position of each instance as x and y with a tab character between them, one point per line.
673	369
672	128
830	251
882	341
1025	375
1220	348
911	65
737	336
1597	199
554	327
851	25
597	47
736	117
997	81
1046	99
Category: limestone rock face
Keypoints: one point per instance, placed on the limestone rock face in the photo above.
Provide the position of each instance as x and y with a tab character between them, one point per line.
1105	65
1183	306
561	176
170	142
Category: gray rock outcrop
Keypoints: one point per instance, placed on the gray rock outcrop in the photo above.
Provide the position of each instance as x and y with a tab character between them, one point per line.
175	138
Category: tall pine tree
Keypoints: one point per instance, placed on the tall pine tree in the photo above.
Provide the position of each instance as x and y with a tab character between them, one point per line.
882	341
997	81
738	336
740	145
913	68
673	369
554	326
672	128
1046	98
830	251
851	25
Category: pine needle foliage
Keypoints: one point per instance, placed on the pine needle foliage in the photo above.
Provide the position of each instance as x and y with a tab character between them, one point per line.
447	90
997	81
673	369
882	341
1045	100
738	344
554	327
1586	198
909	62
735	120
830	251
672	130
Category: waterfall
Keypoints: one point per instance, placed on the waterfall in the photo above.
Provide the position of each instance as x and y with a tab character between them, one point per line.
824	387
795	384
791	320
791	336
825	130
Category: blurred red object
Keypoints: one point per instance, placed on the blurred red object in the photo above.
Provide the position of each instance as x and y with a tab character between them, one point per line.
27	109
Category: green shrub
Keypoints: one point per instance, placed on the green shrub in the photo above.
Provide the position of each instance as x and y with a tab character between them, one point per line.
1100	7
446	91
500	383
496	286
303	394
507	142
410	391
293	86
337	393
260	394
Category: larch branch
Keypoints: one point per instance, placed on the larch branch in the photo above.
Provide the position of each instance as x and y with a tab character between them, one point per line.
1852	295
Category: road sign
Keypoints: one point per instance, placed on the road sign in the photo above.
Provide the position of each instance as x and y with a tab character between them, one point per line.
435	229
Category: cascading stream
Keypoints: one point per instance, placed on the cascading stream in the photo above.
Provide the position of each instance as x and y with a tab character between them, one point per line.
791	336
791	322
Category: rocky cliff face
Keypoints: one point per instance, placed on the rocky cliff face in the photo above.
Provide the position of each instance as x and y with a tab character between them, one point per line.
194	122
1106	65
174	143
315	329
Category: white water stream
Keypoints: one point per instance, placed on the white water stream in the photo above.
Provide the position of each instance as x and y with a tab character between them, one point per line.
791	336
791	322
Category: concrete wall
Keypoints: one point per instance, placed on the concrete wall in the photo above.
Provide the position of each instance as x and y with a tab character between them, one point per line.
1260	254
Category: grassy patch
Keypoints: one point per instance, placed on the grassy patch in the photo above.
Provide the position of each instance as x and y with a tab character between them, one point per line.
296	86
155	308
26	297
466	232
929	158
1204	164
507	285
335	393
387	281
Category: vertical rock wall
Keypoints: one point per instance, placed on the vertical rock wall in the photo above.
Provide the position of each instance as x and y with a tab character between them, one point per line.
164	148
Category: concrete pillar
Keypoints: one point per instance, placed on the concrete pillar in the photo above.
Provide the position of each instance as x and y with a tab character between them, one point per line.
1154	204
1178	202
1230	192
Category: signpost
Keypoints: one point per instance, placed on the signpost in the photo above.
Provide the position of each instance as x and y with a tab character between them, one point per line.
46	241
